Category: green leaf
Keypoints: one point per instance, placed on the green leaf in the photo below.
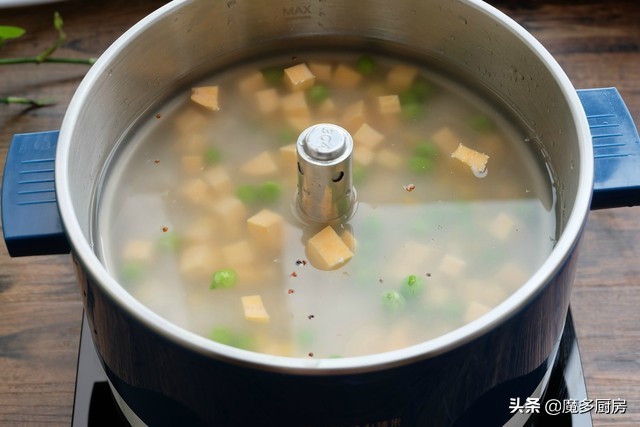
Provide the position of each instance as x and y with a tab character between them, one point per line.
57	21
8	32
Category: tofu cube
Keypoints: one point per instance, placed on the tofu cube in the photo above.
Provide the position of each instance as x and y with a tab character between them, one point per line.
192	143
195	190
239	254
363	156
203	229
219	180
327	108
512	274
327	251
401	77
349	239
476	160
388	159
413	258
321	70
300	121
367	136
354	116
299	77
199	261
231	213
207	96
261	165
446	139
138	250
502	226
252	83
254	309
452	266
345	77
267	229
289	161
191	121
191	163
267	100
294	104
474	311
389	104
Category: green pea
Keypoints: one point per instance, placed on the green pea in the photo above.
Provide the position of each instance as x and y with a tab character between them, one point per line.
212	156
365	65
269	191
418	164
132	271
273	75
286	136
317	94
224	278
305	337
247	194
426	149
412	285
392	300
480	123
169	242
223	335
412	110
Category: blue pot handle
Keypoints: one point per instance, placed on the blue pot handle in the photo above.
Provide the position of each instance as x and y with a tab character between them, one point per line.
30	220
616	148
32	226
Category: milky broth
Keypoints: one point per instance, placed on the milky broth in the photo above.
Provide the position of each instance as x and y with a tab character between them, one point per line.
434	242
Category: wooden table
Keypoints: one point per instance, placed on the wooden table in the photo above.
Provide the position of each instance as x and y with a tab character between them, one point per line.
598	45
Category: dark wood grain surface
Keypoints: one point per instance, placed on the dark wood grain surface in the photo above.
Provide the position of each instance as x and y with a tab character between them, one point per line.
596	42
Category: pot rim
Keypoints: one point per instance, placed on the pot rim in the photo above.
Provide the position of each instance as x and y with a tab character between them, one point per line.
569	238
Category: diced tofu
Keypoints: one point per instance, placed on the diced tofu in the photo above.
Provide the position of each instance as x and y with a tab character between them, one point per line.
191	163
367	136
321	70
232	213
345	77
219	180
363	156
401	77
192	143
299	121
191	121
203	229
452	266
199	261
502	226
267	100
388	159
354	116
349	239
413	258
327	108
475	310
254	309
446	139
295	103
252	83
389	104
239	254
195	190
512	275
267	229
289	162
289	156
476	160
299	77
207	96
261	165
138	250
327	251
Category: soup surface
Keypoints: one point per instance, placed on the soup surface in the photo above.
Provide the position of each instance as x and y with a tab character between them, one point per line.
197	214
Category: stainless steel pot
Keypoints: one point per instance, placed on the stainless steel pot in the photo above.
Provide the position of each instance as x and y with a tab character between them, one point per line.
164	375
